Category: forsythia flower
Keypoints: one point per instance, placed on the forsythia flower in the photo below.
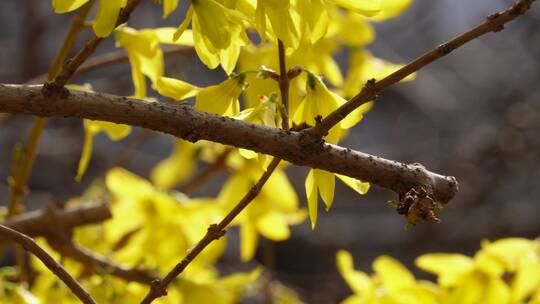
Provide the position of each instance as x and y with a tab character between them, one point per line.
177	167
145	54
266	114
218	31
106	15
321	101
323	183
503	272
392	283
221	99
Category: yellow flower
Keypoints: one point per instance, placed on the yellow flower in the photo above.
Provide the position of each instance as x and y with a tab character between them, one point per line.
320	182
218	32
106	16
266	114
363	66
391	283
221	99
175	169
505	271
145	54
391	8
364	7
157	216
321	101
277	14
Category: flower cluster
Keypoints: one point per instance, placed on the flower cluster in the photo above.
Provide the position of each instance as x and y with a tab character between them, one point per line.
506	271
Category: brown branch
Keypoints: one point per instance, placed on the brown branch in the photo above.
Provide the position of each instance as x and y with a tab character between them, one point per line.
181	120
493	23
71	66
40	223
31	246
96	263
215	167
214	232
112	58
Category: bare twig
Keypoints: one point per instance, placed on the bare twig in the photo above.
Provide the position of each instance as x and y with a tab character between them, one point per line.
181	120
112	58
214	232
40	223
69	69
96	263
493	23
31	246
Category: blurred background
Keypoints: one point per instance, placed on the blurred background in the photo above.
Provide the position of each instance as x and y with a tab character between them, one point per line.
474	115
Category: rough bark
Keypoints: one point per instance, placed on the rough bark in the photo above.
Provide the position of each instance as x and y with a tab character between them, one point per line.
181	120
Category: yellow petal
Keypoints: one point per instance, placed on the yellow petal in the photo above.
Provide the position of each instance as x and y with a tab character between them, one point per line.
364	7
312	198
392	273
168	7
175	169
325	181
183	26
175	88
273	226
391	9
86	152
106	17
114	131
221	99
64	6
355	184
449	267
358	281
248	241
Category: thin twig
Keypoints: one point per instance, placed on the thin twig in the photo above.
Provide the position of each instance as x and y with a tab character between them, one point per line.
115	57
183	121
201	178
31	246
69	69
96	263
158	288
493	23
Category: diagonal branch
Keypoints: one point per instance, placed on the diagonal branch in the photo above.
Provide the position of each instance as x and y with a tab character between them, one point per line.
181	120
214	232
493	23
30	245
97	263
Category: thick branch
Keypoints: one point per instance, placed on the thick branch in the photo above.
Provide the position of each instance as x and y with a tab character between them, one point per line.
493	23
39	222
43	256
181	120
